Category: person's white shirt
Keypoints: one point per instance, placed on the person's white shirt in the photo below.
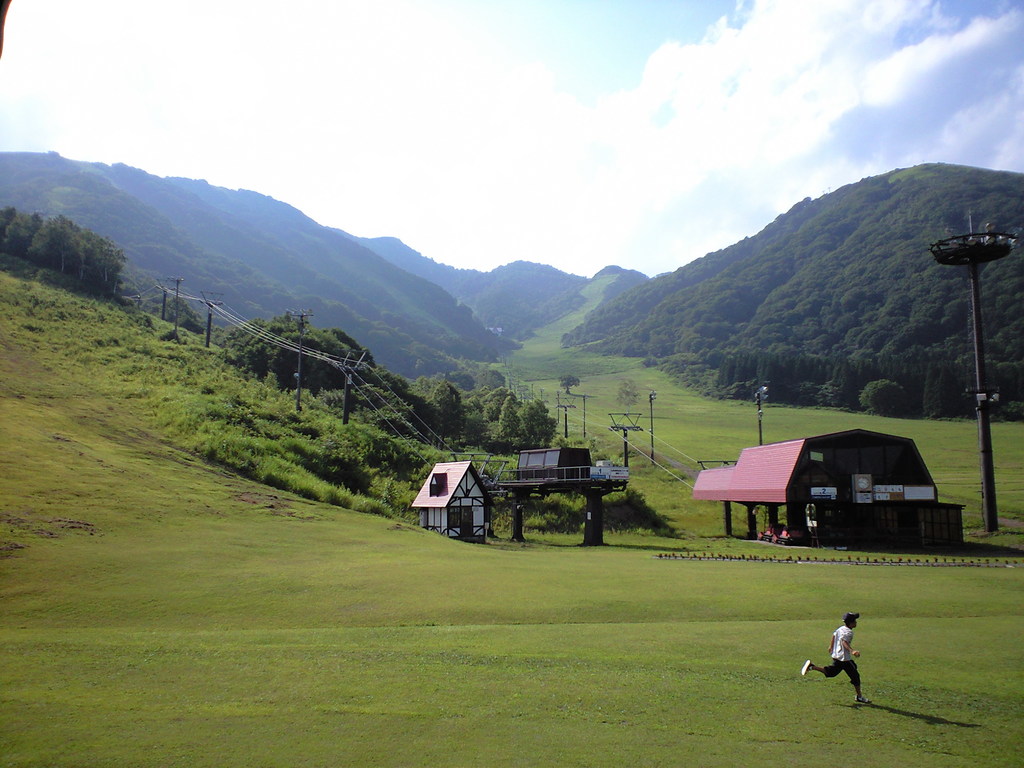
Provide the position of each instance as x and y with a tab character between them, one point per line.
839	651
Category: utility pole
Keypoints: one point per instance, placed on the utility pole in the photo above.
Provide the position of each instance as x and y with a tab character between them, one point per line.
301	314
349	367
177	285
345	408
210	304
651	398
585	398
565	410
625	423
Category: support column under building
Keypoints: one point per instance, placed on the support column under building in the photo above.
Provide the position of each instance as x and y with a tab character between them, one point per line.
517	518
593	527
751	521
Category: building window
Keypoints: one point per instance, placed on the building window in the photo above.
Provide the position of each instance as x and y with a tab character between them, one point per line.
438	484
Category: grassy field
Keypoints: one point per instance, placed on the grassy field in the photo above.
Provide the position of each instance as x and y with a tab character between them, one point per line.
222	626
159	611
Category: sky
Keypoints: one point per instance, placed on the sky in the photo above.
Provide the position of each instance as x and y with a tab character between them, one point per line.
574	133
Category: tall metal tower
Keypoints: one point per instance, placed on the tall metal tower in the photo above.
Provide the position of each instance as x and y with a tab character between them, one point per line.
970	250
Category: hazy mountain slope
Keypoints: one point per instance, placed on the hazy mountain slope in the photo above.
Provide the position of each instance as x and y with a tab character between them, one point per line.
263	255
518	298
413	262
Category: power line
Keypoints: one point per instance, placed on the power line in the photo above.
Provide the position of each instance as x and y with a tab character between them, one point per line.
348	364
661	466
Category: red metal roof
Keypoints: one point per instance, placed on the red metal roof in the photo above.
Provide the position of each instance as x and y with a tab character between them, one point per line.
762	475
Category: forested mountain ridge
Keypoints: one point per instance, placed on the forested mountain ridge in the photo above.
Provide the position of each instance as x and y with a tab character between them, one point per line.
636	305
518	297
837	293
846	279
261	255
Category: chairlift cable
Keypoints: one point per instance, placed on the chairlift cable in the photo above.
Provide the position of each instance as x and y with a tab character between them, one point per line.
656	463
367	390
237	320
640	451
411	410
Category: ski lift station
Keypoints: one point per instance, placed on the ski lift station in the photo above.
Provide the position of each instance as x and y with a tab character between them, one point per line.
457	499
845	488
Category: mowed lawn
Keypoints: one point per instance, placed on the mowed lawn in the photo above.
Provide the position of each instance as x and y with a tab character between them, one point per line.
158	611
269	631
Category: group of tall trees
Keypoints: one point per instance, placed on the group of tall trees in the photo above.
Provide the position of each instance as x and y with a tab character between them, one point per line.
889	386
59	244
496	419
468	413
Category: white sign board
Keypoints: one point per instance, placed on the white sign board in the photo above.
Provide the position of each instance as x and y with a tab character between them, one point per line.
919	492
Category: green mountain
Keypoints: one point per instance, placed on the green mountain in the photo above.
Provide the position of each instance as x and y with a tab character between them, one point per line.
517	298
262	256
838	293
847	278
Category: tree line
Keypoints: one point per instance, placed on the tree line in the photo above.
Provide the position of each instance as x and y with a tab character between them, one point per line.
472	412
59	244
902	386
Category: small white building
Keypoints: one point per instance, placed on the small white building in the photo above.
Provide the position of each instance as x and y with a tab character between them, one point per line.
454	502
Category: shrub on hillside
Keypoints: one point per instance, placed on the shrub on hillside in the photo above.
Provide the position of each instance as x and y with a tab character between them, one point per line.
884	398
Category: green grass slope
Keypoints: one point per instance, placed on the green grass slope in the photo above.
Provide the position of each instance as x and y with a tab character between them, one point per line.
160	611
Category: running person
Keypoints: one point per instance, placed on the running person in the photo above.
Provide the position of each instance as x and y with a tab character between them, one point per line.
841	650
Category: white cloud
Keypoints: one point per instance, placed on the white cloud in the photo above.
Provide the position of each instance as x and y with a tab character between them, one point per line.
891	80
410	118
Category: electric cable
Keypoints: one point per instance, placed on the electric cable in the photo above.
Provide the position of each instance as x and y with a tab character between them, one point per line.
346	364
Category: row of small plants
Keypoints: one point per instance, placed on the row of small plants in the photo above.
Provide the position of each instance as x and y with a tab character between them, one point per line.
932	562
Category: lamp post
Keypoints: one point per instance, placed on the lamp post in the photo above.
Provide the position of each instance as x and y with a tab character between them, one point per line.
970	250
651	398
760	395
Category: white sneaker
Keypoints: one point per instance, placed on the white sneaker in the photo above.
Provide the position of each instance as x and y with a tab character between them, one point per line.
807	665
862	700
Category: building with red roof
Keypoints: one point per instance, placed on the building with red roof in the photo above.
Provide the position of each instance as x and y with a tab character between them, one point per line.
453	501
841	488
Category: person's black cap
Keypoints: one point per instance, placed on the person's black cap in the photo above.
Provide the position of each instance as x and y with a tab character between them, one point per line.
848	617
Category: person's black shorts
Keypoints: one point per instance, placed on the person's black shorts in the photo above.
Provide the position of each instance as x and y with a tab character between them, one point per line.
849	667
